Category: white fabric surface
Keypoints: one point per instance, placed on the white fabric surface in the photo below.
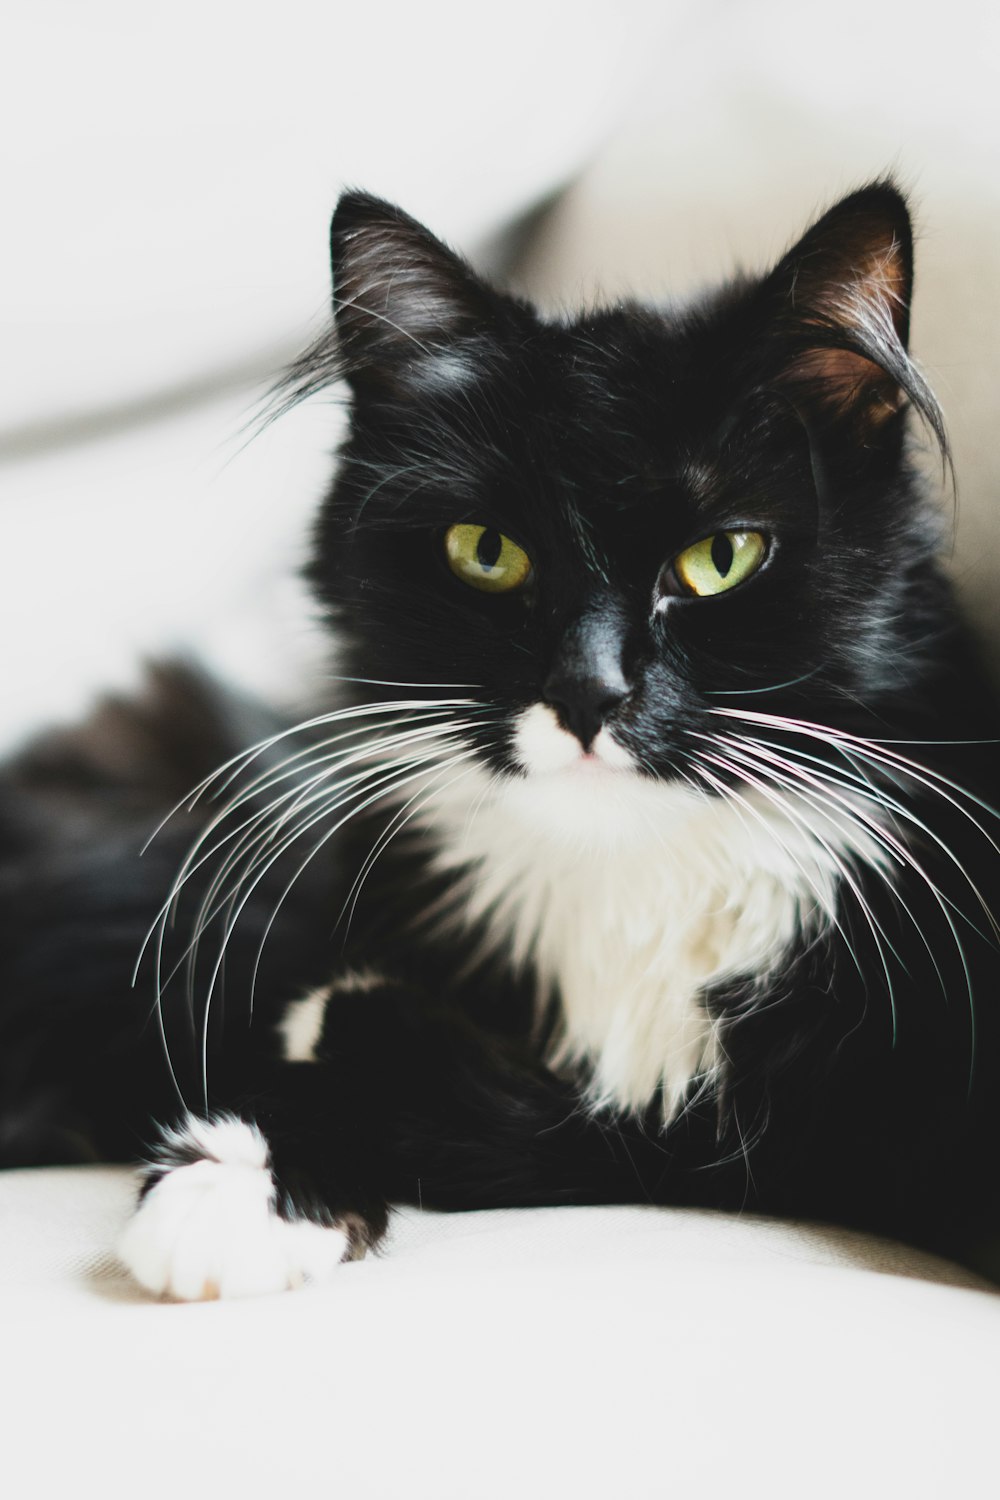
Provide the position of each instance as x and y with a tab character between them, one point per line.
181	536
549	1353
169	173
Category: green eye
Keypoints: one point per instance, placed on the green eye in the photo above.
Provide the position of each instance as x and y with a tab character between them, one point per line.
484	559
720	562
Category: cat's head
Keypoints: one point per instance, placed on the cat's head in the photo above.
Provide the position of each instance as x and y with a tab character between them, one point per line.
606	528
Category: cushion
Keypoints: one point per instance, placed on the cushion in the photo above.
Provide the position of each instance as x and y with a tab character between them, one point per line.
546	1353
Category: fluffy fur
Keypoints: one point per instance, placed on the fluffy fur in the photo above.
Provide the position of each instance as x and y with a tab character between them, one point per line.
626	899
589	890
208	1224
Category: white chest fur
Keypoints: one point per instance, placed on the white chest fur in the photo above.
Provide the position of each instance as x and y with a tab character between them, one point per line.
627	899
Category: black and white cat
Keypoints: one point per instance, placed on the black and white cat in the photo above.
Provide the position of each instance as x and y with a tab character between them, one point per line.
647	853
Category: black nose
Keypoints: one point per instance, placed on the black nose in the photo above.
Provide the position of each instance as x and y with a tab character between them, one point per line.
587	681
583	703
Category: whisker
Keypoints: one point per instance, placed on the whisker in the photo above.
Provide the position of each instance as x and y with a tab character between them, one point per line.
285	770
238	762
823	901
878	932
188	957
389	833
281	899
861	784
193	862
336	716
394	783
426	719
876	751
775	687
893	847
286	767
337	794
389	682
905	856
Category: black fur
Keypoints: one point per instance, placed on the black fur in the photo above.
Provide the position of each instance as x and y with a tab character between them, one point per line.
862	1084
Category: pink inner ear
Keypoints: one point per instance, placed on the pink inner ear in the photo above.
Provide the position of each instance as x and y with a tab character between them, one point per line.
848	382
870	302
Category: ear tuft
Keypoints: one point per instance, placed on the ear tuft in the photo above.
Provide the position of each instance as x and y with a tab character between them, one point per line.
843	295
854	267
400	295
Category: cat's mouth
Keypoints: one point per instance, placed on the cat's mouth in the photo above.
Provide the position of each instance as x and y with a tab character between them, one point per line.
592	801
543	746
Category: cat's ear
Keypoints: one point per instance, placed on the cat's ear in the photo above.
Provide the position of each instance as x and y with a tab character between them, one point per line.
406	307
839	315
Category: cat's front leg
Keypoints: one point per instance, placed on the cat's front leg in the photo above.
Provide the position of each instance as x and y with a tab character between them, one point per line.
262	1191
380	1095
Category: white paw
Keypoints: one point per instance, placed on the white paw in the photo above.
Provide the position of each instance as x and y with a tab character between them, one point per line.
209	1228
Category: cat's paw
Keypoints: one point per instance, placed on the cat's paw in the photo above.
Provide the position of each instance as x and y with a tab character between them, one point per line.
209	1227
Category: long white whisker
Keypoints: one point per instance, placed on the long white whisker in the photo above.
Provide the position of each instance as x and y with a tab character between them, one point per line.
194	859
289	765
441	737
394	783
243	758
389	833
189	955
822	900
258	850
855	780
796	779
281	899
876	751
389	682
878	932
257	832
253	847
897	847
337	716
434	715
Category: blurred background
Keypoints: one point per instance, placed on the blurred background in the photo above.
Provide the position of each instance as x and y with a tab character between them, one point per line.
168	175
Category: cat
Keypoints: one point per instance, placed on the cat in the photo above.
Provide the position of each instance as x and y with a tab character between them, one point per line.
644	851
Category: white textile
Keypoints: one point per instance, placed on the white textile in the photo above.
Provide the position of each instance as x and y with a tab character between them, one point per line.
551	1354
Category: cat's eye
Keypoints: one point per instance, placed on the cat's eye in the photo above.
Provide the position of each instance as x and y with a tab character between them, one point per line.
719	562
486	559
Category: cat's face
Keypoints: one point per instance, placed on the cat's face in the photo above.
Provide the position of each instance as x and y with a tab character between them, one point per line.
603	531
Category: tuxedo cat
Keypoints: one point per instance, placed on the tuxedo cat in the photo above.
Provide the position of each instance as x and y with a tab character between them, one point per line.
644	850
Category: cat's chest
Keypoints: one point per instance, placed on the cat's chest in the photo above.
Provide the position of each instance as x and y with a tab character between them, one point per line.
624	907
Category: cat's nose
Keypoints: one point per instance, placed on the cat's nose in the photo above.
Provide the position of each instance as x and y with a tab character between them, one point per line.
587	681
583	704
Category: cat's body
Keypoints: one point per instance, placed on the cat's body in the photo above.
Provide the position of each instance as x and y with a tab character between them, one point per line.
650	854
